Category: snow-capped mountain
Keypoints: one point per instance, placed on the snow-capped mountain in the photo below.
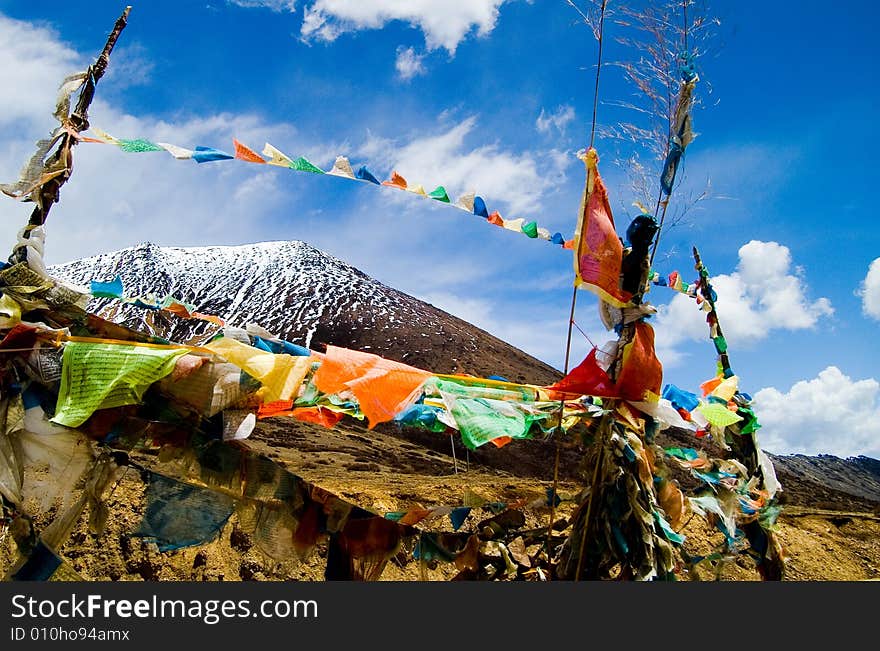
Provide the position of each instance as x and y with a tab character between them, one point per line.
302	295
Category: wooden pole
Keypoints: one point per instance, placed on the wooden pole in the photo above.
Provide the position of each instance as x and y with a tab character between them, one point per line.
49	192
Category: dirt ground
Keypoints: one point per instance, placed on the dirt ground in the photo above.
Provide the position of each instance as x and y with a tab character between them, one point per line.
385	470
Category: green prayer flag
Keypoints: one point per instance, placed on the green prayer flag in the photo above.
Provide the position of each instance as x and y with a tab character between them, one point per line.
439	193
718	415
302	165
720	345
101	376
138	145
530	229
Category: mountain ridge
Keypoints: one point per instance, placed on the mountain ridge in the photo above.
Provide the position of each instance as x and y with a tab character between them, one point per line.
300	294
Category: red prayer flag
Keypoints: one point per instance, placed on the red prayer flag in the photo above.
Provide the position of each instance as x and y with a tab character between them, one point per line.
586	379
598	249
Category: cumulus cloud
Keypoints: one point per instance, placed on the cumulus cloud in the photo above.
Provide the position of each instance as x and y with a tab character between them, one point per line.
34	61
408	63
558	119
764	294
445	23
115	199
829	414
518	180
870	291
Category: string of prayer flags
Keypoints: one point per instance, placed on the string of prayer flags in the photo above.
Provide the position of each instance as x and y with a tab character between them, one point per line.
271	155
114	289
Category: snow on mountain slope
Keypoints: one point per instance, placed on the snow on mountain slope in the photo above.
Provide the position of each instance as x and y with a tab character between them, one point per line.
300	294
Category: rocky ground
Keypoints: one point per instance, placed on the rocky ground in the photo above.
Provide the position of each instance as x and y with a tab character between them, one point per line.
391	469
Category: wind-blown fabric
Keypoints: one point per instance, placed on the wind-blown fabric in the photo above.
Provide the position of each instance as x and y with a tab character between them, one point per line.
383	387
598	249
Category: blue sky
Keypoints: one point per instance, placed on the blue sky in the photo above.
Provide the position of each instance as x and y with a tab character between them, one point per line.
493	96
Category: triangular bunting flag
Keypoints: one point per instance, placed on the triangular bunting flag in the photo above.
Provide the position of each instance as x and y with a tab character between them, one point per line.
397	181
245	153
439	194
531	229
480	207
138	145
276	157
341	167
302	165
180	153
365	175
466	202
208	154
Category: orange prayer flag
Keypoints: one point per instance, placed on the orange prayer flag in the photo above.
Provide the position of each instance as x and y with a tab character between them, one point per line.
383	388
598	249
245	153
495	218
397	181
709	385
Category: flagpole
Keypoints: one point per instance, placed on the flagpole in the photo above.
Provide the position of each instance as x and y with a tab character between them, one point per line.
574	290
48	192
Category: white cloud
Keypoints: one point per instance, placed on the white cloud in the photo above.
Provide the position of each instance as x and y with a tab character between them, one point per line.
275	5
870	291
408	63
132	66
445	23
34	61
541	334
829	414
114	199
519	180
558	119
763	294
